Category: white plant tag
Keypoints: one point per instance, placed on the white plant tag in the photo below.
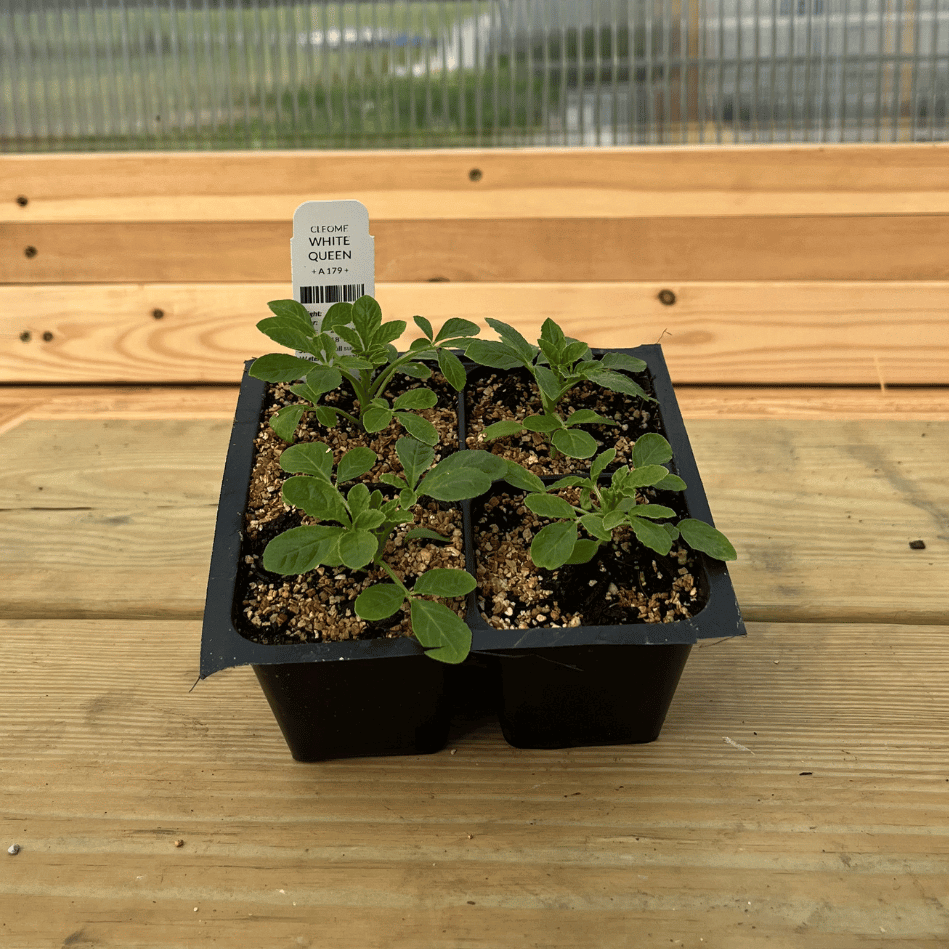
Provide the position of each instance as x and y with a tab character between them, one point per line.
332	257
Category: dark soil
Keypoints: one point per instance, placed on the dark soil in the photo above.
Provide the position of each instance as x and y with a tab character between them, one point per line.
495	395
625	583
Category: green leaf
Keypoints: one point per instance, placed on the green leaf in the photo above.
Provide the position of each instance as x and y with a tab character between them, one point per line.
425	326
549	505
513	339
457	328
322	379
392	479
416	458
326	416
354	364
355	463
441	631
407	498
550	332
503	429
646	477
300	549
416	370
280	367
553	546
574	443
375	419
316	497
704	537
613	519
487	352
670	482
452	369
312	458
369	520
593	524
424	533
575	350
583	551
379	601
622	362
339	314
462	475
601	462
444	582
288	333
416	399
519	477
542	423
588	417
349	335
616	382
651	449
570	481
547	383
292	311
358	499
418	427
388	332
367	316
357	548
653	536
285	422
654	512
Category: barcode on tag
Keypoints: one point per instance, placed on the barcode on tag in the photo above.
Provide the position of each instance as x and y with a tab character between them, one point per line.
346	293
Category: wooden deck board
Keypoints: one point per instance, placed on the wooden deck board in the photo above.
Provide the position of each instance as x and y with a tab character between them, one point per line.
91	508
773	332
551	182
690	838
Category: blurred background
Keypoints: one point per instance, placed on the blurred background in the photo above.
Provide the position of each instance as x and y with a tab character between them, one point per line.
234	74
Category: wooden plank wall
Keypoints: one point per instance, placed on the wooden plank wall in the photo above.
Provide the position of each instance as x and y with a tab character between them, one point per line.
797	265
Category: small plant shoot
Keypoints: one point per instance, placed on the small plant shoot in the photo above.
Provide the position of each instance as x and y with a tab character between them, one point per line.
356	523
367	370
604	509
558	364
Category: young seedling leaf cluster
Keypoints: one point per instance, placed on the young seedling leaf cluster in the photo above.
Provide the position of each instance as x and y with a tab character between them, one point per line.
354	522
603	509
558	364
367	370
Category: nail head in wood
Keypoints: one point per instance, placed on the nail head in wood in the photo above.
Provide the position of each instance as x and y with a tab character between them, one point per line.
666	297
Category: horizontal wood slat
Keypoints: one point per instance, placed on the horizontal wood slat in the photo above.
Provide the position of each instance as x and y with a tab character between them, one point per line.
872	247
821	824
615	182
714	333
19	404
116	518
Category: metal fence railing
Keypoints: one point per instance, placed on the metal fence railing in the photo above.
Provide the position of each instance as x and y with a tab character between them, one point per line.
205	74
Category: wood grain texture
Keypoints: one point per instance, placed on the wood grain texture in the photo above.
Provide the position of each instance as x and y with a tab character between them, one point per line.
773	247
615	182
19	404
821	512
827	828
853	333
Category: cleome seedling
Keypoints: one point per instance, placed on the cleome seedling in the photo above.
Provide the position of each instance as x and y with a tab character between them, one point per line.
604	509
367	370
558	363
356	524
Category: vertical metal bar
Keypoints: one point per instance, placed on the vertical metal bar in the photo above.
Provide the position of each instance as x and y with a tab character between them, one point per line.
739	53
807	118
720	70
935	37
160	85
792	68
666	37
756	76
897	84
881	48
916	59
10	137
427	73
704	21
827	65
94	85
